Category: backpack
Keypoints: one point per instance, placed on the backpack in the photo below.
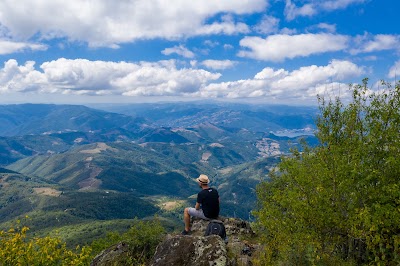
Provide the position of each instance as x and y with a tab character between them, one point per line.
216	227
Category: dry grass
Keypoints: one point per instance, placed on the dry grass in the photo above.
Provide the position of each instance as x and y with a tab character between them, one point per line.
100	147
171	205
205	156
47	191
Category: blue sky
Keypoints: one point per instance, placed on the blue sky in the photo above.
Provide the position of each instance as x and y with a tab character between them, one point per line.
264	51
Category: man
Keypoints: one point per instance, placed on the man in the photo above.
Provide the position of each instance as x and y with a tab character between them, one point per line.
207	204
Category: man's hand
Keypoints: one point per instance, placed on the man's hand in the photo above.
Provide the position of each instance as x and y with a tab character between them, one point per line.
197	207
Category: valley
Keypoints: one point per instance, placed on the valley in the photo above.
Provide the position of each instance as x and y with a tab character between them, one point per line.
69	166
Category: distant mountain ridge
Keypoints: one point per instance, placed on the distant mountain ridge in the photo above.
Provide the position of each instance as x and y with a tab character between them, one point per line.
263	118
33	129
25	119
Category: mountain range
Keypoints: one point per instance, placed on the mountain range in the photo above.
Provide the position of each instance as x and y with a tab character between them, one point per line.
65	165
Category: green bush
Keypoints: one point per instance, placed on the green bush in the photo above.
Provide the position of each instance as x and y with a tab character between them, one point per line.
339	201
142	239
17	249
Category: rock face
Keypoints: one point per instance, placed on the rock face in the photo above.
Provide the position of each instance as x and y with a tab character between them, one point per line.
115	255
195	249
191	250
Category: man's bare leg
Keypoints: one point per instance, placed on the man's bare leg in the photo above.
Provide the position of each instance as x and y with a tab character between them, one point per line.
186	219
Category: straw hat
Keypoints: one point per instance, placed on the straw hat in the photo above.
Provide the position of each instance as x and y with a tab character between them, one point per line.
203	179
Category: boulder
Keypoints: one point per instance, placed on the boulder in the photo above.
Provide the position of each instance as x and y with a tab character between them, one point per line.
115	255
197	249
191	250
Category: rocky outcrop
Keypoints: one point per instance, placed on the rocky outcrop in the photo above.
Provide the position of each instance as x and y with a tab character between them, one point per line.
191	250
115	255
195	249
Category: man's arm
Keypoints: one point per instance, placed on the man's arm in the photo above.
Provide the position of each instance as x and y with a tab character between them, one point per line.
197	207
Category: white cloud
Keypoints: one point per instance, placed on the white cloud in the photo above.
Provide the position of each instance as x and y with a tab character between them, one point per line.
309	76
8	47
287	31
211	43
267	25
313	7
292	11
269	73
279	47
107	23
218	64
394	71
322	27
193	63
372	43
16	78
302	85
338	4
228	46
328	27
370	58
226	26
382	42
164	78
84	77
179	50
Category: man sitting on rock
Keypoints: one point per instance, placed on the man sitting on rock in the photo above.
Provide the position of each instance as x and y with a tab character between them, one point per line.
207	199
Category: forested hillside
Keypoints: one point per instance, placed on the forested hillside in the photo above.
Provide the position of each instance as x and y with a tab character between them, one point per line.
81	171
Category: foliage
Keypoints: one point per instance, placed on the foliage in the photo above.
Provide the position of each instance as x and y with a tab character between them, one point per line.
17	197
102	205
17	249
340	200
142	239
85	232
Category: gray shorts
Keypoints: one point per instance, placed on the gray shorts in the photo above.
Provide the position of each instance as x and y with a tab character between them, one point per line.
197	213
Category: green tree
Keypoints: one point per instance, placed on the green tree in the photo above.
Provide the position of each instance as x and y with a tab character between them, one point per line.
339	201
17	249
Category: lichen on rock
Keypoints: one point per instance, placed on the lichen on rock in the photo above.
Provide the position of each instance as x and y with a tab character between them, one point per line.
191	250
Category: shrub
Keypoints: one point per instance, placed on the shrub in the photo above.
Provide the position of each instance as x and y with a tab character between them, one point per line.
339	201
17	249
142	239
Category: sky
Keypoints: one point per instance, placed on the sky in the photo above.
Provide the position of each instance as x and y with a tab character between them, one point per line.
127	51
